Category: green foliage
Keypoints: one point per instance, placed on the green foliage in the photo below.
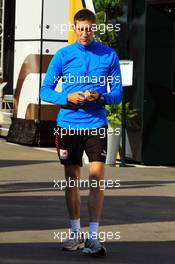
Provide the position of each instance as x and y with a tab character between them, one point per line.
107	12
111	8
114	114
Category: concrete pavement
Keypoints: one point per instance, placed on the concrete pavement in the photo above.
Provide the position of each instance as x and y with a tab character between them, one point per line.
32	211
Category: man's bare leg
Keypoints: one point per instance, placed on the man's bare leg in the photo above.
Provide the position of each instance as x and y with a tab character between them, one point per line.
72	193
96	196
96	199
75	241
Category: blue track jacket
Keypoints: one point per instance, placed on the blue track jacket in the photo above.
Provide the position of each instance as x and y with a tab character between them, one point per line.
83	68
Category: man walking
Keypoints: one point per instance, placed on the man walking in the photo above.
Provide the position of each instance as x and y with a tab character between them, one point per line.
85	67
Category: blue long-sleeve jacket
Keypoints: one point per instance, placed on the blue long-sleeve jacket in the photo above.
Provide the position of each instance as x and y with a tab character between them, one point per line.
83	68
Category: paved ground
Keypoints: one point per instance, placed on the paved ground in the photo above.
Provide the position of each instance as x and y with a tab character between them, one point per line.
32	208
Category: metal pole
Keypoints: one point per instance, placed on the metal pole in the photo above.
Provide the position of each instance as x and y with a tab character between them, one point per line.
123	151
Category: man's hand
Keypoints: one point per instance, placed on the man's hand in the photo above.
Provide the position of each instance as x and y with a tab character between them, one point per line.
77	98
91	95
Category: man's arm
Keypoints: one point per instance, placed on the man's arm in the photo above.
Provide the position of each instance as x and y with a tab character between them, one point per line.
53	74
115	83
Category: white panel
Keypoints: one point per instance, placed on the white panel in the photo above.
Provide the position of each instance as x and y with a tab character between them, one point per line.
126	67
29	94
52	47
22	50
28	19
56	19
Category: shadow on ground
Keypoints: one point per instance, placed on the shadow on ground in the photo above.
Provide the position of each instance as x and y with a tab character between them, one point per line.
49	212
55	186
119	252
11	163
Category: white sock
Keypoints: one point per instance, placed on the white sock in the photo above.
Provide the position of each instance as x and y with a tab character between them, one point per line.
75	225
93	230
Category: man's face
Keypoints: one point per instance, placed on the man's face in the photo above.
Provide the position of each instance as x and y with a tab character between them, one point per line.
83	31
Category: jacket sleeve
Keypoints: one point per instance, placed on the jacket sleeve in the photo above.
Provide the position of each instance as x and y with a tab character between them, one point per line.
115	83
53	74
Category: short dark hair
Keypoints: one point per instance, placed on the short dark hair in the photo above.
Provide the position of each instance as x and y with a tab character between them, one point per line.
85	14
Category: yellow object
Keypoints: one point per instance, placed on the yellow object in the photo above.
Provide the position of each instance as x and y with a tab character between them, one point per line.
74	6
118	156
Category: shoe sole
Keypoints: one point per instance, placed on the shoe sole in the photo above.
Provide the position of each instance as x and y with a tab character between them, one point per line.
74	248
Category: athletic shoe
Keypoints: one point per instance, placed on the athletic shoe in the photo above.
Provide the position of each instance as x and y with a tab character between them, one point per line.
93	247
74	242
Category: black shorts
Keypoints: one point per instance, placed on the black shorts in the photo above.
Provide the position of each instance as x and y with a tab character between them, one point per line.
72	143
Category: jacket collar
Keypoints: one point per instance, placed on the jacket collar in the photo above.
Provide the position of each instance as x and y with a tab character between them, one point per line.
83	47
